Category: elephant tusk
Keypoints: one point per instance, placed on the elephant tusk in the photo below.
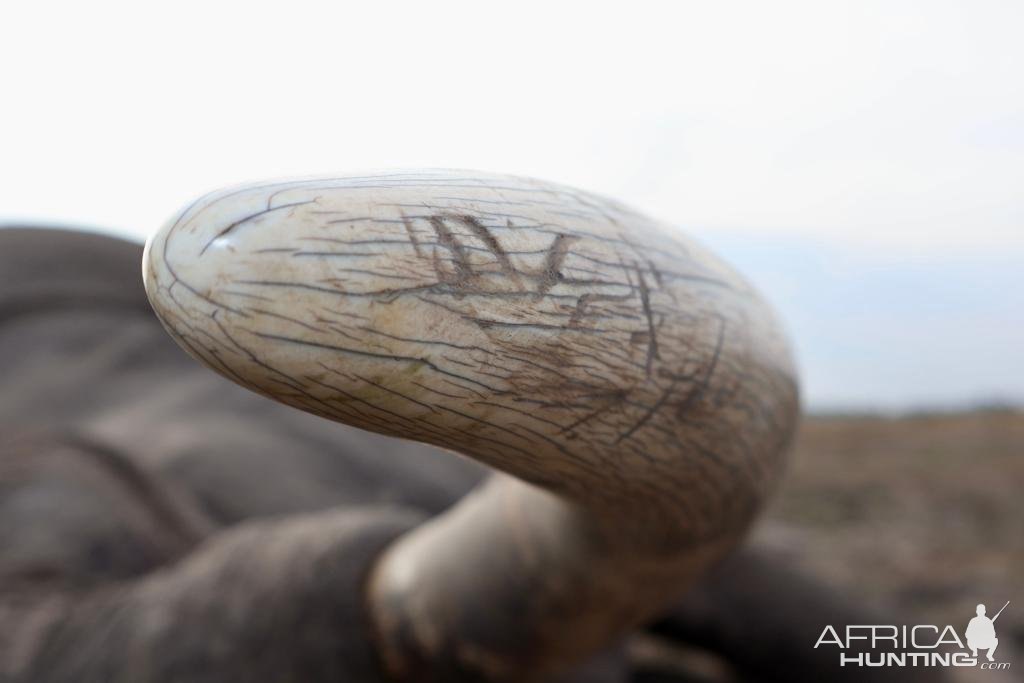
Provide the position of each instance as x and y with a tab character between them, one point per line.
636	395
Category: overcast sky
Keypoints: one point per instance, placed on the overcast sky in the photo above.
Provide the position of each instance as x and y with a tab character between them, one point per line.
861	161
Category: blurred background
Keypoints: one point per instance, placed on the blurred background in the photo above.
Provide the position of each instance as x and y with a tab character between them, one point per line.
860	162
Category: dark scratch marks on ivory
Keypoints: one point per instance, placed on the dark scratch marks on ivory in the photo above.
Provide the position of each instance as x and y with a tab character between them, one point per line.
583	302
650	411
343	333
373	273
532	415
491	242
464	388
350	219
463	268
397	393
382	356
290	381
352	397
655	272
385	295
436	391
245	295
692	397
242	221
512	328
286	318
486	324
176	280
652	333
429	342
459	362
616	401
407	224
335	254
551	273
700	388
493	426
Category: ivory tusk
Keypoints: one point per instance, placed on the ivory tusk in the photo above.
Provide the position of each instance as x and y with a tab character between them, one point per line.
638	391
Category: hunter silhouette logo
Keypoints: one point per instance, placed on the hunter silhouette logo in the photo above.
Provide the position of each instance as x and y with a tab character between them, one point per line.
981	632
877	645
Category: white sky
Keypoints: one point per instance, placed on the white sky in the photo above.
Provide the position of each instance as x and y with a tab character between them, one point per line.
891	126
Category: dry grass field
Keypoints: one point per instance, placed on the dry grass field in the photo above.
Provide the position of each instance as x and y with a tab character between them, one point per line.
922	516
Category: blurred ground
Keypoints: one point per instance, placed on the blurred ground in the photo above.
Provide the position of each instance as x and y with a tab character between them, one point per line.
920	516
